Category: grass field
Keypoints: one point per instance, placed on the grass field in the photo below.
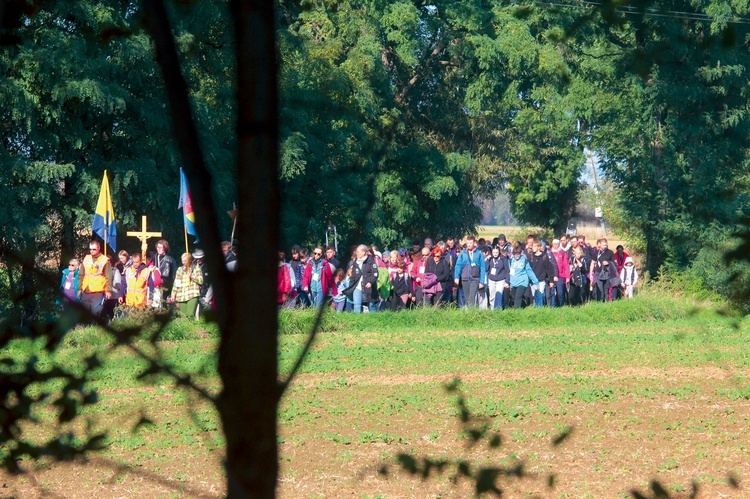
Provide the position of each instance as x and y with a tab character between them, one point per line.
654	388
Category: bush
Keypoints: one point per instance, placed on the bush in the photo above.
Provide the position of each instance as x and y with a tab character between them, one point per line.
729	281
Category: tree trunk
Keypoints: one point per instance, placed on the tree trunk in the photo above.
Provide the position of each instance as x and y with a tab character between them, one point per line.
246	301
248	362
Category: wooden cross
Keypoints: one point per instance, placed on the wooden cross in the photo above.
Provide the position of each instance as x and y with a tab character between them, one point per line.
143	235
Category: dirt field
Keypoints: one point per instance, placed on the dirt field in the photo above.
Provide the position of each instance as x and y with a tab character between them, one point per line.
668	400
616	445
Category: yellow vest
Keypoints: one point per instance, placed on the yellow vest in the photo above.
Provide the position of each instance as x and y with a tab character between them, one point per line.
137	286
94	280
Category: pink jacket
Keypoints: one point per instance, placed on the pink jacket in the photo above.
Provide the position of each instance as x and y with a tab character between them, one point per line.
563	264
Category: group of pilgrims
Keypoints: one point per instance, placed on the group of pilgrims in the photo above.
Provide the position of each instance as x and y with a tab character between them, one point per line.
467	273
105	284
471	272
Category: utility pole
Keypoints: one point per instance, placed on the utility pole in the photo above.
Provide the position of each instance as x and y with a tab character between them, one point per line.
598	212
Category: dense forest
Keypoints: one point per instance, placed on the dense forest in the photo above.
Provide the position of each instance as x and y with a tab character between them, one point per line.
394	118
399	114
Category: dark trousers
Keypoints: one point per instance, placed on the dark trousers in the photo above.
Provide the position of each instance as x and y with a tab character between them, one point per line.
447	294
471	290
303	299
93	302
396	302
460	297
602	290
576	294
559	300
517	296
506	297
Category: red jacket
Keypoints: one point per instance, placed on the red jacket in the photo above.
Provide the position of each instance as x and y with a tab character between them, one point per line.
326	277
620	261
418	270
285	282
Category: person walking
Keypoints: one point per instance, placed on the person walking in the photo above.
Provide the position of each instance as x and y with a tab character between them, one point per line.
317	279
95	279
137	283
545	271
628	277
603	268
471	272
578	281
437	277
520	274
563	273
363	281
69	284
186	287
167	268
497	277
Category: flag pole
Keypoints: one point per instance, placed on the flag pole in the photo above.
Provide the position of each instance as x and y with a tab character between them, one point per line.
106	218
187	250
234	224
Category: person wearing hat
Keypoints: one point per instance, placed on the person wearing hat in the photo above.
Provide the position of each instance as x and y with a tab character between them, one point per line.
186	288
628	277
205	301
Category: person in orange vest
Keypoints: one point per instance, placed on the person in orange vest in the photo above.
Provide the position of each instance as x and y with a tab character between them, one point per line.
137	283
95	279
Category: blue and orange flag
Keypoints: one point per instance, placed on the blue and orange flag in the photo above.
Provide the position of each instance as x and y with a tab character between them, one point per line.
187	206
104	217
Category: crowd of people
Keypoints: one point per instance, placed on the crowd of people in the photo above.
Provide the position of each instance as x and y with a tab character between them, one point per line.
104	283
468	273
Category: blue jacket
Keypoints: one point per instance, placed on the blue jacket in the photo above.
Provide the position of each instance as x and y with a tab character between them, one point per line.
65	273
465	265
521	272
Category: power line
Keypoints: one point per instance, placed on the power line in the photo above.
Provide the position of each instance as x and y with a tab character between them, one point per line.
673	14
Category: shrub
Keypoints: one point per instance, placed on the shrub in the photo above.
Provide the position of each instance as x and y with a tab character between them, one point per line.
729	281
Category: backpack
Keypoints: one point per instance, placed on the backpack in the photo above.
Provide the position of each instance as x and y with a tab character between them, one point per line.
384	284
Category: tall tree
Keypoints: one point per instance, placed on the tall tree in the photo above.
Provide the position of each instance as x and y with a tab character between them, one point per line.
81	94
669	117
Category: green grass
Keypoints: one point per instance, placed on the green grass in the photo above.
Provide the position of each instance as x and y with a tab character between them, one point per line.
648	308
377	381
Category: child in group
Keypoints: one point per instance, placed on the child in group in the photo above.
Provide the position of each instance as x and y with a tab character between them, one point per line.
401	283
629	277
341	281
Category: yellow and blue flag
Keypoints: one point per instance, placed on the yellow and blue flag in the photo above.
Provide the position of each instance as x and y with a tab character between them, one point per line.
187	206
104	217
